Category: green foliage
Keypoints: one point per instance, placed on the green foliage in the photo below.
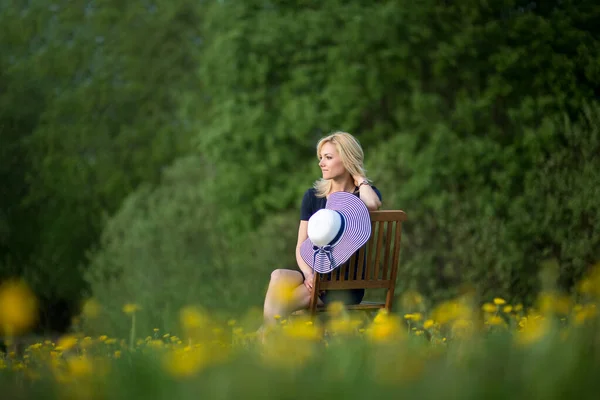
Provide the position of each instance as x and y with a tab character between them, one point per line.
163	250
460	106
90	98
280	77
455	104
485	215
158	251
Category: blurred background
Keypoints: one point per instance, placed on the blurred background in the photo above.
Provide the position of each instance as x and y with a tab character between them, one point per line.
155	152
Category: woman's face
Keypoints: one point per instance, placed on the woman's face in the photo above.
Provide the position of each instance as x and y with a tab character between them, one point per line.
330	162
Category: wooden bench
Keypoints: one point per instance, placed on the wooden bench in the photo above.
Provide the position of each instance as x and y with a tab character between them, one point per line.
382	255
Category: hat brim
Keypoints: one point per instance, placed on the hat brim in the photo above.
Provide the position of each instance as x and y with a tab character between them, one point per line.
356	233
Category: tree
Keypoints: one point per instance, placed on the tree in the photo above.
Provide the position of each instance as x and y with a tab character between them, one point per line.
104	82
459	98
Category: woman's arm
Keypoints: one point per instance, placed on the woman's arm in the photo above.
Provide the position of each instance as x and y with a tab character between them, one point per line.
304	267
367	194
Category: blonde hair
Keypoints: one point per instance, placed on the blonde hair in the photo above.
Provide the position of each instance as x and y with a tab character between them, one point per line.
351	154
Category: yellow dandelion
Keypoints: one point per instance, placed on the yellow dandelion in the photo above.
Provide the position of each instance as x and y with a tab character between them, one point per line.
489	308
413	317
91	308
428	324
343	326
585	313
554	303
532	330
301	329
18	307
499	301
495	321
507	309
79	366
336	308
385	327
130	308
183	364
590	285
156	344
381	316
450	311
66	342
192	318
35	346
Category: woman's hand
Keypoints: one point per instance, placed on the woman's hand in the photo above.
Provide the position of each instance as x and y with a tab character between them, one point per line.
358	179
309	277
367	194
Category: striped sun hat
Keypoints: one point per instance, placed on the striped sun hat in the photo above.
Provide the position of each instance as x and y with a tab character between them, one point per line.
336	232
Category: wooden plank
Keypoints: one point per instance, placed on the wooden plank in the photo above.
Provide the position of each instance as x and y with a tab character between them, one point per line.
378	245
365	305
370	251
339	285
361	263
395	265
388	215
388	248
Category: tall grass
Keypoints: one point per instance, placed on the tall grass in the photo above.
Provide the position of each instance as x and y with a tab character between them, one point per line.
457	349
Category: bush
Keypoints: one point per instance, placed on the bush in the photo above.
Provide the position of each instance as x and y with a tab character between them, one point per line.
484	215
158	252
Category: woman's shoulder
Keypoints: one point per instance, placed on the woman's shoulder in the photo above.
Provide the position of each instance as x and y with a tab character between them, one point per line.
308	207
310	194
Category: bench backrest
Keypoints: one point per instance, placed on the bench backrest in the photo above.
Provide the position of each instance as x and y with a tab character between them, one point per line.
375	265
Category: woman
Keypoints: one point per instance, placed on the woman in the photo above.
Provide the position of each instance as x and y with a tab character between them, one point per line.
341	162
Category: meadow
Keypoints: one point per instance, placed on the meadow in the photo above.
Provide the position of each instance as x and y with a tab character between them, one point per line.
153	180
453	349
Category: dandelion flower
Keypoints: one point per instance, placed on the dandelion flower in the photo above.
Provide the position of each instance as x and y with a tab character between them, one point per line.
66	342
499	301
130	308
79	366
489	308
18	307
428	324
414	317
91	308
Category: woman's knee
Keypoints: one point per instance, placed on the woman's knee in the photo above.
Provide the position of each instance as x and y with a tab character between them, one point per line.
277	274
281	274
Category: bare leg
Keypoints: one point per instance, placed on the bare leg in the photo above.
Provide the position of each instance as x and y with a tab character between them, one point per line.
286	293
296	297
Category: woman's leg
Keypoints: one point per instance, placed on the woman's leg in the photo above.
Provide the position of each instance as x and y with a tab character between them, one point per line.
286	294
